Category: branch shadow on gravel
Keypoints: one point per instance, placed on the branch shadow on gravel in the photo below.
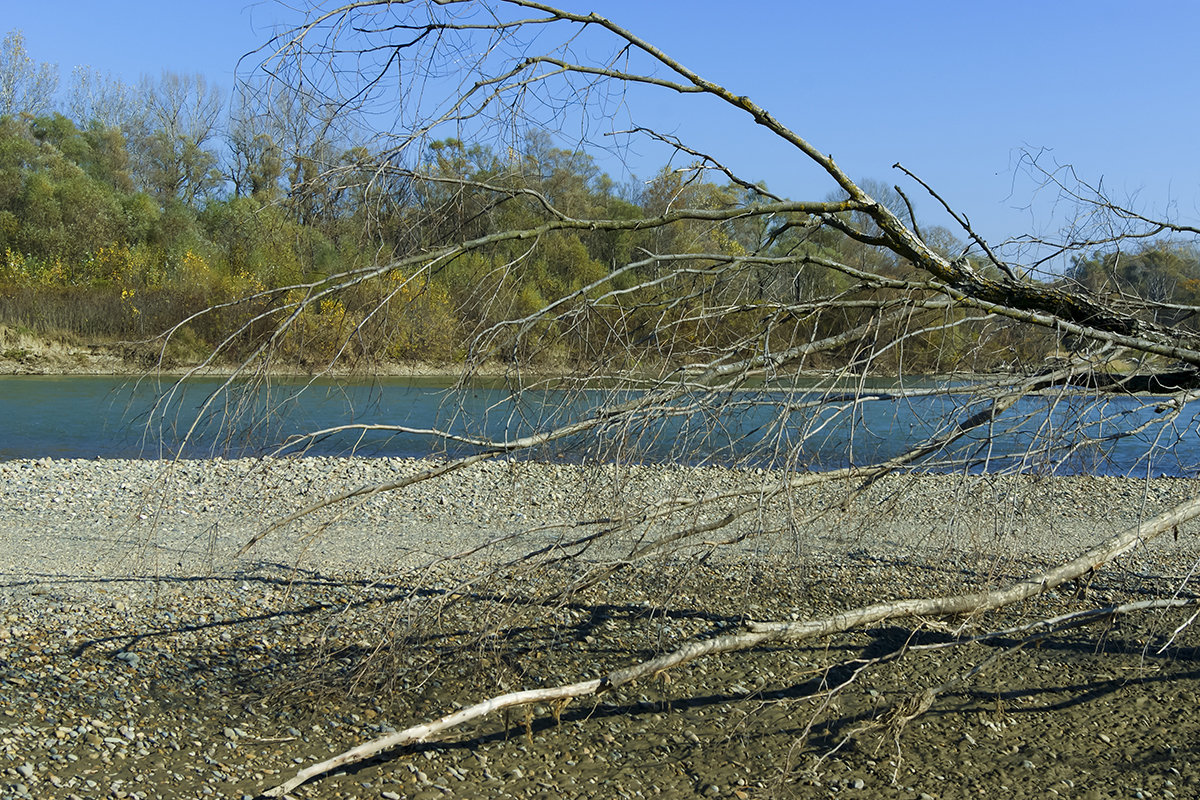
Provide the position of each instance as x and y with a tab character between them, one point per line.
828	733
1021	687
595	614
467	640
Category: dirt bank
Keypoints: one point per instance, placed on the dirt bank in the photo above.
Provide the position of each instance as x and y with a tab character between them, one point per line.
22	353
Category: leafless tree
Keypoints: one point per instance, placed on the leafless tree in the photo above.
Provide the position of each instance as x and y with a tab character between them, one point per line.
95	97
171	137
739	304
25	85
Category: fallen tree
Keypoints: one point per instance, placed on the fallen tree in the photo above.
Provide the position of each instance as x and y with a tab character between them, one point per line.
744	328
760	633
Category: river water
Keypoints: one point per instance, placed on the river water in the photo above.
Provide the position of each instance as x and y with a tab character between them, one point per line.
114	417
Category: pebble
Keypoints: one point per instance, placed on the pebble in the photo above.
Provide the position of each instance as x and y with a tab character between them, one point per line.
178	704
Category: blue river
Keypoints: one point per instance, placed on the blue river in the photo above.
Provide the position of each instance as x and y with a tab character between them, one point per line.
114	417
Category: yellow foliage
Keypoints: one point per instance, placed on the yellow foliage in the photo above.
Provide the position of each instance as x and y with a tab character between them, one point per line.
332	310
245	283
195	272
112	262
54	274
727	244
421	323
124	266
320	330
13	269
127	295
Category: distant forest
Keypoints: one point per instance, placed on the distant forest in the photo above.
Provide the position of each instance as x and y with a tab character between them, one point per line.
126	209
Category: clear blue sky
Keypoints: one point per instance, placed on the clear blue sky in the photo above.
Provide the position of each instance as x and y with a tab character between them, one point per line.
953	90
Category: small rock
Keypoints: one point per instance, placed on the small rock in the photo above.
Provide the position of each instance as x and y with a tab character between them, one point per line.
26	771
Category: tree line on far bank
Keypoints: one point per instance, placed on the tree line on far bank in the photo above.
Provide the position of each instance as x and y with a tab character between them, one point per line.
124	210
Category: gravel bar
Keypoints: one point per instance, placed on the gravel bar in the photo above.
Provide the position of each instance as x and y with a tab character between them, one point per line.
142	656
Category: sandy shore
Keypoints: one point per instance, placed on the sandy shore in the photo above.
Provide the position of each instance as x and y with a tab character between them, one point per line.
140	656
24	354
